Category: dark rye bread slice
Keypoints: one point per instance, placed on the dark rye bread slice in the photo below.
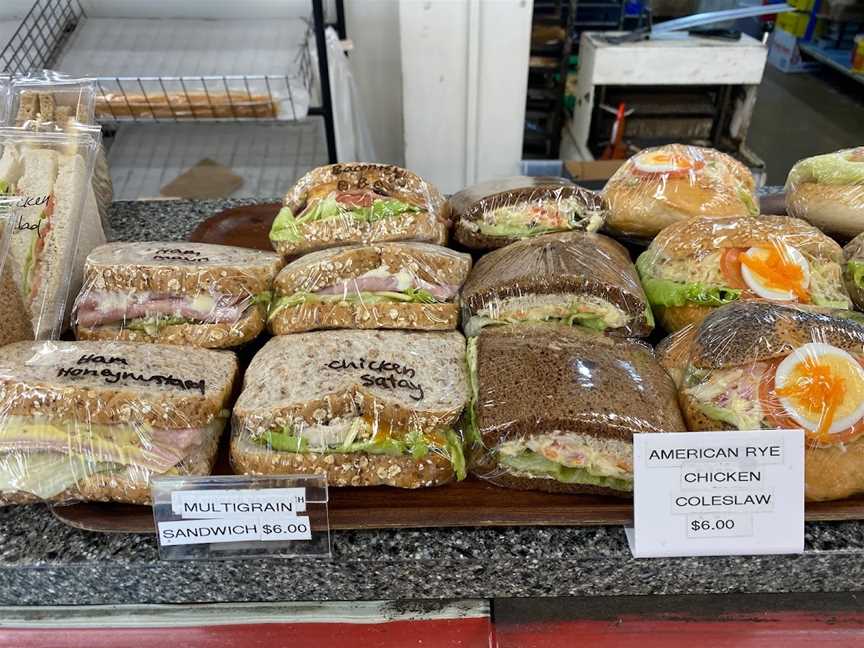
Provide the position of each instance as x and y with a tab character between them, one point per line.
745	332
181	268
430	263
110	383
319	376
536	379
470	205
225	335
566	262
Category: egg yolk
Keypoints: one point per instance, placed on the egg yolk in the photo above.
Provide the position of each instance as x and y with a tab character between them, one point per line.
777	270
819	388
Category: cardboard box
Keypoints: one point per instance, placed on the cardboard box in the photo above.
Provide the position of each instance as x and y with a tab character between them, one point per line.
593	169
783	53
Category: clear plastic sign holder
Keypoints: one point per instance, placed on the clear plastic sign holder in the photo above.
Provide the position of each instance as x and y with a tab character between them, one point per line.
237	516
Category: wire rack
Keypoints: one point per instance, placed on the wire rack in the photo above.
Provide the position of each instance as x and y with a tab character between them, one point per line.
200	82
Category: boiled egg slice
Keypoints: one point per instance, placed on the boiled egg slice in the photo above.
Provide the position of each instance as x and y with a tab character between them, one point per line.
821	387
664	162
777	271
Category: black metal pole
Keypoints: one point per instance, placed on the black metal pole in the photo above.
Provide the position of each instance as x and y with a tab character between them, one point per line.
324	74
340	19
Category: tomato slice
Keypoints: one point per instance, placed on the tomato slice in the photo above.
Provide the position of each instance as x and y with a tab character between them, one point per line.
730	266
777	416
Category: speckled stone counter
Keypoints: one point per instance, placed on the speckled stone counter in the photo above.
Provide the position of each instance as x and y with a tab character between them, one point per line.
44	562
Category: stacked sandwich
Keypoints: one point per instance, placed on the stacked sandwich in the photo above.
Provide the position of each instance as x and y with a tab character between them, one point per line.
366	377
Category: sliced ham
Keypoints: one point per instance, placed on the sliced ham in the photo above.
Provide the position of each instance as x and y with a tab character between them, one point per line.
92	312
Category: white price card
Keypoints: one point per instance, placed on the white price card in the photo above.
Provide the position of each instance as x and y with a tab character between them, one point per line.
718	493
241	516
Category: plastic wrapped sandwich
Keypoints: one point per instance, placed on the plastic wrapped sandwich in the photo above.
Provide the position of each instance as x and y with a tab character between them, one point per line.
693	267
570	278
95	421
757	365
498	212
555	409
853	270
663	185
365	408
212	296
385	285
828	191
344	204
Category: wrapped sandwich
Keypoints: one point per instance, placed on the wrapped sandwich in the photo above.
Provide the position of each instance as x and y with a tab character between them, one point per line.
95	421
555	409
570	278
498	212
695	266
755	365
828	191
385	285
344	204
853	270
663	185
364	408
196	294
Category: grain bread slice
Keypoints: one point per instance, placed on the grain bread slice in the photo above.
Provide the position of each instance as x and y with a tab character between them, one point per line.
116	382
576	263
354	315
180	268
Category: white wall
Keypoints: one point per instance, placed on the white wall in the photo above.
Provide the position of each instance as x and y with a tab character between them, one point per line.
465	73
376	63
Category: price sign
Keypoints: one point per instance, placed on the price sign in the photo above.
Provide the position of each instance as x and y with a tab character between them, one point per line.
241	517
718	493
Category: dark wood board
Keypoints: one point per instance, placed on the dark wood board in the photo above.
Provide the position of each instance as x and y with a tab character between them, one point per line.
247	226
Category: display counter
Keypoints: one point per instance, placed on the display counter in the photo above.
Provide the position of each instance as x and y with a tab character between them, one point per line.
44	562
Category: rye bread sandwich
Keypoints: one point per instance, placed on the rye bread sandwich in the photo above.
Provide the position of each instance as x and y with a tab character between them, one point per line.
197	294
662	185
757	365
828	191
555	409
693	267
570	278
95	421
345	204
496	213
380	286
365	408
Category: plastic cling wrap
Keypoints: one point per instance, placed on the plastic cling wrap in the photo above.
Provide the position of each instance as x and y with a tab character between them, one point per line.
662	185
175	293
48	174
556	409
343	204
95	421
570	278
495	213
692	267
853	255
386	286
757	365
828	191
365	408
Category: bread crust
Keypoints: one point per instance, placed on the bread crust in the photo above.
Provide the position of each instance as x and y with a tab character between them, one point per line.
674	318
311	317
207	336
346	469
836	209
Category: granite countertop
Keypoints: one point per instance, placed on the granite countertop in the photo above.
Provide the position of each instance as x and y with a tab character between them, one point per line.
44	562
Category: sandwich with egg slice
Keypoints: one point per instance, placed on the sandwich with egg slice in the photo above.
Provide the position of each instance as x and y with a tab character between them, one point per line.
759	365
693	267
660	186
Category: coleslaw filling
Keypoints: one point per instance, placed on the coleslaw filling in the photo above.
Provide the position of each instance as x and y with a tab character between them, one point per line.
532	217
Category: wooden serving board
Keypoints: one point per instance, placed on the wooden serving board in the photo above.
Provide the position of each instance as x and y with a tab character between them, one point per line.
247	226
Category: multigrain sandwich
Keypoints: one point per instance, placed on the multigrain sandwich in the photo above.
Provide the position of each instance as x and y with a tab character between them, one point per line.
196	294
757	365
828	191
692	267
663	185
385	285
555	409
364	408
569	278
344	204
95	421
496	213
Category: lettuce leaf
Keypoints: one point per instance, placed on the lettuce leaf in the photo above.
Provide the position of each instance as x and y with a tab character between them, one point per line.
662	292
409	296
537	466
855	269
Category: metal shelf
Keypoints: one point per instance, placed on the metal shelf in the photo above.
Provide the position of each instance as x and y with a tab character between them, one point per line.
833	58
